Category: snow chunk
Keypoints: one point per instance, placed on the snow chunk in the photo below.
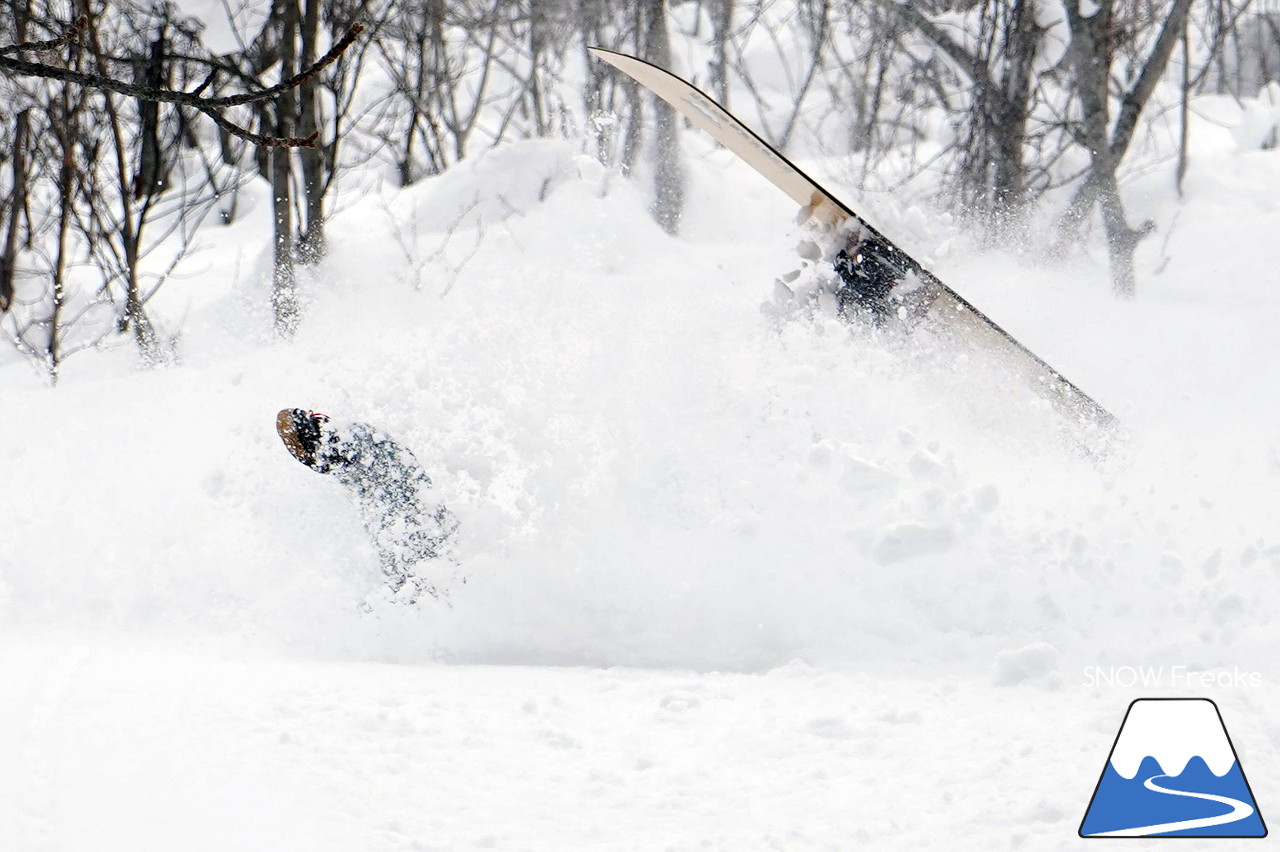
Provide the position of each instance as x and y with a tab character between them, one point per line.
1259	119
909	540
1035	663
504	182
830	728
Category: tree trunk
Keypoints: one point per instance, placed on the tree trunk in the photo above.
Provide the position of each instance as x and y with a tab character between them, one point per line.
721	26
1092	67
17	199
18	164
1092	55
633	128
668	202
408	174
312	245
537	37
150	178
1122	240
1008	190
1184	108
589	22
145	184
66	132
284	286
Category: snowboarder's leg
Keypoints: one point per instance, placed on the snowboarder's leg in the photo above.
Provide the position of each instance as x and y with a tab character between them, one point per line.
862	276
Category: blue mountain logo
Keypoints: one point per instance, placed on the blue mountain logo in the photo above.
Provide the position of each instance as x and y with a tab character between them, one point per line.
1172	772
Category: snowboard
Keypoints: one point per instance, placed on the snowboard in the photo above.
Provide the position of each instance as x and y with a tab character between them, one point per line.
883	273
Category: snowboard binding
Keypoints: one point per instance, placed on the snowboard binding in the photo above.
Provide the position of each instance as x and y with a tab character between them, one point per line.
862	276
300	432
880	282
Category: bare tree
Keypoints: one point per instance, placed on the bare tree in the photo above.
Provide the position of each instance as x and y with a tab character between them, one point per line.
440	85
1094	46
123	129
998	70
75	196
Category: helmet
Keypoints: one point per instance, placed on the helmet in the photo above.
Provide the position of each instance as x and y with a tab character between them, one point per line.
300	432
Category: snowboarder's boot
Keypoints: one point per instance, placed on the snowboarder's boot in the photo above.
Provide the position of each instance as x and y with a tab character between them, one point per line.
300	432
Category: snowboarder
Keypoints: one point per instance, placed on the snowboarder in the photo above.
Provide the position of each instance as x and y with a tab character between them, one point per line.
389	486
862	269
868	277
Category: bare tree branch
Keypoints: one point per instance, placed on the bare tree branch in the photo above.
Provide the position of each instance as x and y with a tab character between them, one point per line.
1135	99
73	31
208	106
966	61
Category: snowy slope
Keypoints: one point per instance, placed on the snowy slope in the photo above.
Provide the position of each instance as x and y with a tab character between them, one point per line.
730	583
154	750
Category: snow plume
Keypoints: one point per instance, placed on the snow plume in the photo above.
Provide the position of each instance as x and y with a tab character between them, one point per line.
647	470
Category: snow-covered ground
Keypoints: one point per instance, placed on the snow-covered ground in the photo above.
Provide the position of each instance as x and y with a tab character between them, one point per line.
732	582
146	749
